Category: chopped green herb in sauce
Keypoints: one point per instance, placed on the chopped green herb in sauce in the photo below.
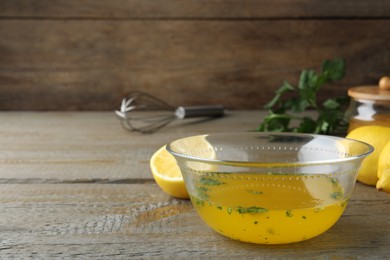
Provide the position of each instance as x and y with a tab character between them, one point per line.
334	181
199	202
210	181
270	231
253	209
336	195
202	193
255	192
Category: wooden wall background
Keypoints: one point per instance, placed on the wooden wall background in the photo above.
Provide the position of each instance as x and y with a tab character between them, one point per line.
87	54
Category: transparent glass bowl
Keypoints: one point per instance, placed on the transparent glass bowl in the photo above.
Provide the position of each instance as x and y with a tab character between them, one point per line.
269	188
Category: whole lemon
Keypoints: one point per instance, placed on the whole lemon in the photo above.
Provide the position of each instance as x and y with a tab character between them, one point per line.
378	137
384	169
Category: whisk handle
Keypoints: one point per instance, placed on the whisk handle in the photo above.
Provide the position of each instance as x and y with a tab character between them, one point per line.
199	111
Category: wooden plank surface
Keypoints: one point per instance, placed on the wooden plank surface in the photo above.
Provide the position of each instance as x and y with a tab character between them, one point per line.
92	146
190	9
92	64
77	185
139	220
86	55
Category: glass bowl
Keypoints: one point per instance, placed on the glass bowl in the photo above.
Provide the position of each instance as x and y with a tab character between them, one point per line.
269	188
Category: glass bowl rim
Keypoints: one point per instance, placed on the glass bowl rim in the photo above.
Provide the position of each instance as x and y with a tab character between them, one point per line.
239	163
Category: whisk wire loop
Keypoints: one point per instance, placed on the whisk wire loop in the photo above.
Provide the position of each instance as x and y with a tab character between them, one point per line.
145	113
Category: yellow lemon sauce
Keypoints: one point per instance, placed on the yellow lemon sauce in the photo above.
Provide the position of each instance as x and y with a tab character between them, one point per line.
269	209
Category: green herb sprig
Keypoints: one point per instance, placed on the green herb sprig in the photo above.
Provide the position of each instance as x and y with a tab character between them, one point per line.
290	101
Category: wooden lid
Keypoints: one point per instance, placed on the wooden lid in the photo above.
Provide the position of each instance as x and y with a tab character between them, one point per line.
369	93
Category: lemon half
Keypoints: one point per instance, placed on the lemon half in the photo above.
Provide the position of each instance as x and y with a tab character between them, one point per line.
167	174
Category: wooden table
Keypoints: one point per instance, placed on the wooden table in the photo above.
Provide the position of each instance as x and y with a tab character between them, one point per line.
75	184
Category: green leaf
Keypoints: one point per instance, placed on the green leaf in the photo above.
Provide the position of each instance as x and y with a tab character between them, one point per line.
272	102
334	69
331	104
297	105
308	88
308	125
303	97
308	98
308	80
284	88
275	122
322	79
303	82
324	127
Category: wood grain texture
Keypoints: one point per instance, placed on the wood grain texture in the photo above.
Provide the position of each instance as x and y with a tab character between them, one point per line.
77	185
190	9
90	147
139	221
86	55
91	64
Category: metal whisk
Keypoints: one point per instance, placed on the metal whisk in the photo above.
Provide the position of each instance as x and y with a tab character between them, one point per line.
144	113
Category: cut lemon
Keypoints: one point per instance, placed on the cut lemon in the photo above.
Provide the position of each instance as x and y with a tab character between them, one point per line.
167	174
